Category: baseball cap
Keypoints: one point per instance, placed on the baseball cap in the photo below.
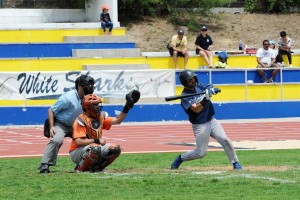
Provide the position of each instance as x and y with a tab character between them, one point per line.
180	32
271	42
203	28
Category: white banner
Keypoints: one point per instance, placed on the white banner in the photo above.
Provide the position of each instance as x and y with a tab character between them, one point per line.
108	83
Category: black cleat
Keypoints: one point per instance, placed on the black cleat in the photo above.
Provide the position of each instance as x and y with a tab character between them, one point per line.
44	168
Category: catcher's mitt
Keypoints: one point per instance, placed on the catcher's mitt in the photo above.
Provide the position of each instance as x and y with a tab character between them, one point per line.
133	97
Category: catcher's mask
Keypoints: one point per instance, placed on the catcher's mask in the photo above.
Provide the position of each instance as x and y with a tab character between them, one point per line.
87	83
185	75
92	104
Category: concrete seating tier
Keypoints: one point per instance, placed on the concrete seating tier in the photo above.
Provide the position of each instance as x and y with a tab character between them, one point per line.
106	53
116	67
50	35
65	64
62	49
97	39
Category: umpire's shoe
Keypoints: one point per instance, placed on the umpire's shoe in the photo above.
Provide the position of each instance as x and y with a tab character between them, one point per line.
44	168
177	162
237	166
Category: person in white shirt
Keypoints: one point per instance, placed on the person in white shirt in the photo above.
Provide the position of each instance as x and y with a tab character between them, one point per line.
266	59
284	46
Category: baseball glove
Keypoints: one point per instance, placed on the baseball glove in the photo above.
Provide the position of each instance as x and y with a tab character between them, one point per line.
133	97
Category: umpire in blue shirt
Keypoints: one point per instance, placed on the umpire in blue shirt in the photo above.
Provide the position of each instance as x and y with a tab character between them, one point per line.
61	116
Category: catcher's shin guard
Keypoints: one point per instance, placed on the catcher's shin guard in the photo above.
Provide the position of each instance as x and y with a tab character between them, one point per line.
90	159
114	152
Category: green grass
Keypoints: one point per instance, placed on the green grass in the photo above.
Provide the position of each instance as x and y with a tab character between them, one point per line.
269	174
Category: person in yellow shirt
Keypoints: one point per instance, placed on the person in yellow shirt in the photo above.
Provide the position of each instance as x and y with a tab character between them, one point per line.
179	48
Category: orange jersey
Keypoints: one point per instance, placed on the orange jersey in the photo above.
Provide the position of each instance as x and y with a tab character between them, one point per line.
85	127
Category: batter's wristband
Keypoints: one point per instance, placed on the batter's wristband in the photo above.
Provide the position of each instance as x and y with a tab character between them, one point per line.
204	101
96	140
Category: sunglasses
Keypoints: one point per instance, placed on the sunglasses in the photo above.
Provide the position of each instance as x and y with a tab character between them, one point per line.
204	30
266	44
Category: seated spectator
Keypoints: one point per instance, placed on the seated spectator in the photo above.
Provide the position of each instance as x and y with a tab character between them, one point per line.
266	59
284	47
203	43
105	20
278	59
179	48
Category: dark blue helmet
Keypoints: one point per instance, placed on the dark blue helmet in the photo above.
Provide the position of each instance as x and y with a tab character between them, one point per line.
185	75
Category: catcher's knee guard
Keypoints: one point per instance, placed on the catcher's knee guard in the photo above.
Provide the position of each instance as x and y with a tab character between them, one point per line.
90	158
113	153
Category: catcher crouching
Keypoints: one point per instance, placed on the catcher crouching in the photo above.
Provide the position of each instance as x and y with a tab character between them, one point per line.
88	150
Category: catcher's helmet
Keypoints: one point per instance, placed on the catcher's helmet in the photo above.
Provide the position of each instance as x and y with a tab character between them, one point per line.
92	104
185	75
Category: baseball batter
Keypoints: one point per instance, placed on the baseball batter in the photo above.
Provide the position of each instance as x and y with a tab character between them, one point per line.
200	110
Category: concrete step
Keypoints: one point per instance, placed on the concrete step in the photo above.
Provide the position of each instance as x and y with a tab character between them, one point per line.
97	39
115	66
106	53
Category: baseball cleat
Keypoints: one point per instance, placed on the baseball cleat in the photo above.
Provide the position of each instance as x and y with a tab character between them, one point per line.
44	168
237	166
177	162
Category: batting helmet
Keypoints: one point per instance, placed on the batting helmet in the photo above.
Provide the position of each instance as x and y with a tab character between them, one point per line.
92	104
185	75
105	6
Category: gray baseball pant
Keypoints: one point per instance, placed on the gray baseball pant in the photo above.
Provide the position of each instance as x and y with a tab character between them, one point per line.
53	146
202	132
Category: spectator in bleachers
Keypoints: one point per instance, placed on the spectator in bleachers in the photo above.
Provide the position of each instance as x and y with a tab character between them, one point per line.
278	59
203	43
266	59
284	46
105	20
179	48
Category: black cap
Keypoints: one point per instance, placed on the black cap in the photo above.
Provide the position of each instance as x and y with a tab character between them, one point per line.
203	28
180	32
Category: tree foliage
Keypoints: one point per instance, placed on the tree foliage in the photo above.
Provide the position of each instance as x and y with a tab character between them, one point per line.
270	6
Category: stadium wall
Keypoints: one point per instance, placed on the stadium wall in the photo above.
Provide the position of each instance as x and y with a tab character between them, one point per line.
162	112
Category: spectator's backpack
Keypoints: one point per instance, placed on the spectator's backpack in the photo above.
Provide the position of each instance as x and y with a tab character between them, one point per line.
222	56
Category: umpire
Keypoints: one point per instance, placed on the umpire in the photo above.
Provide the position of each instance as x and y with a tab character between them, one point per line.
61	116
200	110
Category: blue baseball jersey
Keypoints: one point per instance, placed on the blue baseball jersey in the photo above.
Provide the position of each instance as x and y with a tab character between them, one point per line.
197	118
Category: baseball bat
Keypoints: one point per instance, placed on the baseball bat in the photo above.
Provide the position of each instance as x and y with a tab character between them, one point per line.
172	98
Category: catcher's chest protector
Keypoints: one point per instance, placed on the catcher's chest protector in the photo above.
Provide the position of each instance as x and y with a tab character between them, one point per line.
93	127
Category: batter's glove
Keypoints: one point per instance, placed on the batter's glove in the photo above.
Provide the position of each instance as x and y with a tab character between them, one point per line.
210	92
131	98
214	91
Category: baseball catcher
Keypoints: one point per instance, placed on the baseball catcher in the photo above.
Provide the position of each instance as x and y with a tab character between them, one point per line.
88	150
